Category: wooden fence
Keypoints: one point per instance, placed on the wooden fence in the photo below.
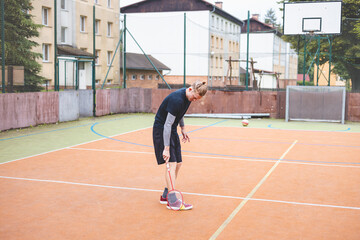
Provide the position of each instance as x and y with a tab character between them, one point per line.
18	110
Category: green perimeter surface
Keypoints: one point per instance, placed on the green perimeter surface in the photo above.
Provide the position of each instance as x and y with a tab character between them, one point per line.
20	143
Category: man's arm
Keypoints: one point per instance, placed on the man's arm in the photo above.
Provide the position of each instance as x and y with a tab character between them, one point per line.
170	119
183	132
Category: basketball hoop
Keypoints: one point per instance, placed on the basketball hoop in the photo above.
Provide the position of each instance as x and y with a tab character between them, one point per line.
311	33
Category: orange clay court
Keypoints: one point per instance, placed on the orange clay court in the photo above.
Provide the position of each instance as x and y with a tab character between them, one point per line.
244	183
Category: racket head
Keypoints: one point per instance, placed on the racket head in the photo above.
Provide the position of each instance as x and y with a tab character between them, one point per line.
175	200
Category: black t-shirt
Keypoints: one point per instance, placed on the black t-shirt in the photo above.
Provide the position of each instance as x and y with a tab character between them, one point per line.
175	103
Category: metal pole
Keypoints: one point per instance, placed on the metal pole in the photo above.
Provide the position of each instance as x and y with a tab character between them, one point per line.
304	67
65	74
3	45
124	67
247	52
184	49
318	62
76	75
330	55
56	79
93	66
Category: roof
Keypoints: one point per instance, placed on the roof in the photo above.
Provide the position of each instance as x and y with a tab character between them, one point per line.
139	61
242	70
177	6
264	71
258	26
68	50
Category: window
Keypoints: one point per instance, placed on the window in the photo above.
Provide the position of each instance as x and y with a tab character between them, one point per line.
97	54
63	34
212	41
109	3
63	4
217	23
46	52
82	23
45	16
108	82
81	66
142	77
96	1
221	43
97	26
217	42
133	77
109	26
157	77
222	25
109	55
150	77
212	21
97	81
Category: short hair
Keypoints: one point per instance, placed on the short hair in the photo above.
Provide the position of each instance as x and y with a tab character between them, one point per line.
199	87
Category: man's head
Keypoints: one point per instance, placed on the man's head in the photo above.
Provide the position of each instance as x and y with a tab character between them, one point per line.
196	91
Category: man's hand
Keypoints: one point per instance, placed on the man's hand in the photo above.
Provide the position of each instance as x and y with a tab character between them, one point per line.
166	153
185	136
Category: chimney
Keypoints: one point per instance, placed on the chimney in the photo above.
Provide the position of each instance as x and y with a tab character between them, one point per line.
219	4
255	16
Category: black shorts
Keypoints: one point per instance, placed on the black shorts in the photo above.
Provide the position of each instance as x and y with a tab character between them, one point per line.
175	146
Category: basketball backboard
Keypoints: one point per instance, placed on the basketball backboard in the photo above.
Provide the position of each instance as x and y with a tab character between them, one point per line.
312	17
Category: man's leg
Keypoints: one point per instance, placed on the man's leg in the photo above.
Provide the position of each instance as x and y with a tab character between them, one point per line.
173	173
178	165
171	184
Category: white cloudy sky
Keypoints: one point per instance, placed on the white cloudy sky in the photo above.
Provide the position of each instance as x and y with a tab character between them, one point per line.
239	8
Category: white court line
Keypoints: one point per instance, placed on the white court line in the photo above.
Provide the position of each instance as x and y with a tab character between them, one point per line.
249	196
225	158
101	138
185	193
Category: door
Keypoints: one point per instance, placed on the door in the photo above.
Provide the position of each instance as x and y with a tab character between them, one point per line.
82	75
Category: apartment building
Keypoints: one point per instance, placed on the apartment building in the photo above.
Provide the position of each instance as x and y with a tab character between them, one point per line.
191	37
75	31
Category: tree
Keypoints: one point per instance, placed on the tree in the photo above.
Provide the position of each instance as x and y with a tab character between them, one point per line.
345	47
270	17
19	31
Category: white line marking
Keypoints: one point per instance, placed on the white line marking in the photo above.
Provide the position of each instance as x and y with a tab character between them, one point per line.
225	158
101	138
186	193
249	196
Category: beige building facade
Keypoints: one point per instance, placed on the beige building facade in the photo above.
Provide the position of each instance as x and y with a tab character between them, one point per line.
75	30
322	77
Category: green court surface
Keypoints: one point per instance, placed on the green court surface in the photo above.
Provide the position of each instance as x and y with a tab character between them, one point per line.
20	143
